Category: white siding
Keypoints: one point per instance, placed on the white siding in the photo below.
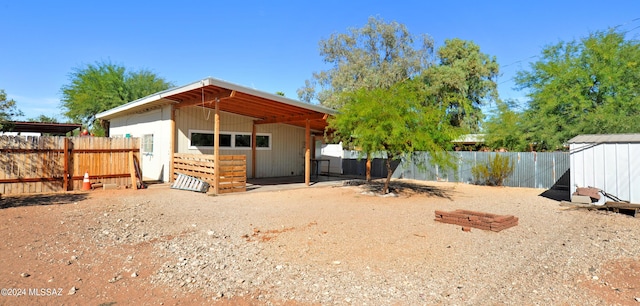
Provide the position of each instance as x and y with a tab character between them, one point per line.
285	158
612	167
155	165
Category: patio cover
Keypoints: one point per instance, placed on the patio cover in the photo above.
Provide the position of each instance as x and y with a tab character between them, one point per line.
220	95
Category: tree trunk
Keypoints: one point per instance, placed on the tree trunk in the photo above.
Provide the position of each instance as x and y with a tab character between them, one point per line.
385	190
368	168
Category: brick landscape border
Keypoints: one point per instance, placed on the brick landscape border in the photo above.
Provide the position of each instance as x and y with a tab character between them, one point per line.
480	220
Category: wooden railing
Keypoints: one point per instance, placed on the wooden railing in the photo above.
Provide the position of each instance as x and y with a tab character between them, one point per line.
233	170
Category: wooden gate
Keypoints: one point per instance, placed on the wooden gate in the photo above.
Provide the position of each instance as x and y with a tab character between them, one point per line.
54	164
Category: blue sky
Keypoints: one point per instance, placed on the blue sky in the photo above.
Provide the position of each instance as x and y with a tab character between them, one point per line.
267	45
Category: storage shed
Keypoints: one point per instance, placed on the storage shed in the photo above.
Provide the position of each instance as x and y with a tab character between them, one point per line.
610	162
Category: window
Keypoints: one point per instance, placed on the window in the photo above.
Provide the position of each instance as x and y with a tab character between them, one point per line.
243	141
201	139
263	141
225	140
228	140
147	143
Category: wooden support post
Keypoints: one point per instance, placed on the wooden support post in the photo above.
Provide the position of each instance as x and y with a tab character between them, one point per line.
132	169
216	149
307	153
172	143
66	174
253	151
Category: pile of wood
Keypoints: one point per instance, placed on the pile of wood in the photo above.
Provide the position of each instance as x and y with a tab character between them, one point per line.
468	219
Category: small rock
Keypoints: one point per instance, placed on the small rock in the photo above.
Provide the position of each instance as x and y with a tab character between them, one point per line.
637	299
115	279
74	257
72	291
337	262
595	277
279	267
134	274
389	195
25	274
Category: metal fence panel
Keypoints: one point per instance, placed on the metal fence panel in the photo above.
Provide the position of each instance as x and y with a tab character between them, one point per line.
531	169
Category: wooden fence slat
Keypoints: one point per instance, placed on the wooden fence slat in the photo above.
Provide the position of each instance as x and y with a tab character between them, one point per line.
233	174
54	164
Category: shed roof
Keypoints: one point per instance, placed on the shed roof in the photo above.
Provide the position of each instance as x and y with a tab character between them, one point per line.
43	127
263	107
606	138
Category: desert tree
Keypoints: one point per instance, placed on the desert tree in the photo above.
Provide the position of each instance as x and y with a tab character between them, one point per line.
8	111
586	86
95	88
378	55
397	120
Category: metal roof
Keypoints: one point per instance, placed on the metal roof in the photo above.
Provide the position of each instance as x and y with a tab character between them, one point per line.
606	138
470	139
263	107
43	127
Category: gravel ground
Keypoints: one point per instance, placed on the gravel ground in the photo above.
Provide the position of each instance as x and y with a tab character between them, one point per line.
337	245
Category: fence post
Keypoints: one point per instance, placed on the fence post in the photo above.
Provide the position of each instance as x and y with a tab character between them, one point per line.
132	169
66	175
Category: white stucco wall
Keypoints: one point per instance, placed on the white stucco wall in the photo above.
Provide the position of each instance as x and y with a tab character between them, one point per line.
156	122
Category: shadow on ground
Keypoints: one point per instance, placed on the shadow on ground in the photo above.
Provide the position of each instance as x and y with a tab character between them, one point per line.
41	199
402	188
557	195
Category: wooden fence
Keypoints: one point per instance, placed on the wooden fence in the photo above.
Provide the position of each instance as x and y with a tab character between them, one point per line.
233	170
54	164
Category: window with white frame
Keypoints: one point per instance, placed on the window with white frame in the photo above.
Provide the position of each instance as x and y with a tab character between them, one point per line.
199	139
147	143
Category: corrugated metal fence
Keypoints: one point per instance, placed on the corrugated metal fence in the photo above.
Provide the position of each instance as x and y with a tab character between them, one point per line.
532	169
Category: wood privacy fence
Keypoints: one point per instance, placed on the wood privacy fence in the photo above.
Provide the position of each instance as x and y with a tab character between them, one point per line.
54	164
233	170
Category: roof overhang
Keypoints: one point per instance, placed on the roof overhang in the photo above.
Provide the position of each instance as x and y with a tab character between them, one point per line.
606	138
43	127
264	108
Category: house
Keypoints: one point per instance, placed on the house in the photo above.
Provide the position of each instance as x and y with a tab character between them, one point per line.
276	134
608	162
469	142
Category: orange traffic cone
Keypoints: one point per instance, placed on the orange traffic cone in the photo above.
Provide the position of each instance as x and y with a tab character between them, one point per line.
86	185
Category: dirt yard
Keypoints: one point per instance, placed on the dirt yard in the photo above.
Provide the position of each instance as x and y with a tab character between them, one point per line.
330	244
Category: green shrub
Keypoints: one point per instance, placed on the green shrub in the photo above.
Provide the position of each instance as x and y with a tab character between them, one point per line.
494	172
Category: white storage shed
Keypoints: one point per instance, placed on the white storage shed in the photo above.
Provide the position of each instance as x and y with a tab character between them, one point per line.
610	162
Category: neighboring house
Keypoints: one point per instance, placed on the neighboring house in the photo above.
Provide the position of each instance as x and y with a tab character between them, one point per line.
609	162
183	120
469	142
